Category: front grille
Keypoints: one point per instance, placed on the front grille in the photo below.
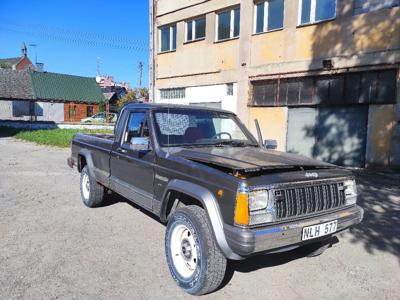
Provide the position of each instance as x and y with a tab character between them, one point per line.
298	201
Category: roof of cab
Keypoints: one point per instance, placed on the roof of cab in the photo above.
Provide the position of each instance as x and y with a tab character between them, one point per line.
152	106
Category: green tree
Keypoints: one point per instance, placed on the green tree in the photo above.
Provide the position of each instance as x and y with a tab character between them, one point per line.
143	93
129	97
4	66
102	106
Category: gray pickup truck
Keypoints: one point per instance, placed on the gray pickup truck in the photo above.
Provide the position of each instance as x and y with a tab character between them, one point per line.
222	194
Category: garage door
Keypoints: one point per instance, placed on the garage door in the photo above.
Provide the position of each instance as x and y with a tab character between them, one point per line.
332	134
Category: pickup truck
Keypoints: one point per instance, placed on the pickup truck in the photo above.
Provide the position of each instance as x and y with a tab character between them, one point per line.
220	192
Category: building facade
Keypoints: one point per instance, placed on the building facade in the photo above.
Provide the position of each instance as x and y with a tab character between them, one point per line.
321	76
27	95
17	63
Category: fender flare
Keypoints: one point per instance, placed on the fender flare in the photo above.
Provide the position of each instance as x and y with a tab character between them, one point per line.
89	161
210	204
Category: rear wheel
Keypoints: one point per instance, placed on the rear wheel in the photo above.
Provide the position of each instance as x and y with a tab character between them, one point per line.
194	259
92	193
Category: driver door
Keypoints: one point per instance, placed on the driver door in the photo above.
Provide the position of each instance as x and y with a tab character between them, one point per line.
132	171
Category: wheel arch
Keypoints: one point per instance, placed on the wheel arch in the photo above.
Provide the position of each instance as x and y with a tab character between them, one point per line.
207	200
85	158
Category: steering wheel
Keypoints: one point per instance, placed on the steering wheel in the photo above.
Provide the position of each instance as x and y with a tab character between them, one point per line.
220	134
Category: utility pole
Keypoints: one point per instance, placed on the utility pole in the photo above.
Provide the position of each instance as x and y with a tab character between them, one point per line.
140	73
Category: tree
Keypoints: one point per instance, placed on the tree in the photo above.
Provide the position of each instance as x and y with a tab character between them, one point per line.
134	95
4	66
102	106
129	97
143	93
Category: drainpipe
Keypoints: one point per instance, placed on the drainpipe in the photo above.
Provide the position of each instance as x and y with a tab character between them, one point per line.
152	10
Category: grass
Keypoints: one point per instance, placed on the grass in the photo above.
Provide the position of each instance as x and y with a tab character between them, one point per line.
51	137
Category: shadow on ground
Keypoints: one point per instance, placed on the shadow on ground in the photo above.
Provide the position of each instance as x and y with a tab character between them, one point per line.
379	195
8	131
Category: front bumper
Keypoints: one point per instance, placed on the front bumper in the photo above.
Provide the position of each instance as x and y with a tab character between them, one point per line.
286	236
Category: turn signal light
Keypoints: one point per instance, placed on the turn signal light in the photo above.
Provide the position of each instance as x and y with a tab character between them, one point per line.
242	209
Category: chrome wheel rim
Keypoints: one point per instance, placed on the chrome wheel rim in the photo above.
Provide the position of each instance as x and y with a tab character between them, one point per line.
85	186
183	250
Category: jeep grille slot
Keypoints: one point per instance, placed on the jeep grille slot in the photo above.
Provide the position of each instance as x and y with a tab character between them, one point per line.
299	201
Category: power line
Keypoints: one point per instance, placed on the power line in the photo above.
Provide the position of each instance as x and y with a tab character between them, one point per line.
77	37
82	34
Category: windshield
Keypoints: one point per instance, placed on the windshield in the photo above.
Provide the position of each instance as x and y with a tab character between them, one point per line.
190	127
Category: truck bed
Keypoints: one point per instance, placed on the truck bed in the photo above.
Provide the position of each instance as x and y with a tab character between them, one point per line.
99	146
104	141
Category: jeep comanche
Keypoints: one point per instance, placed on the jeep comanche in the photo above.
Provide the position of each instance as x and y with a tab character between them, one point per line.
222	194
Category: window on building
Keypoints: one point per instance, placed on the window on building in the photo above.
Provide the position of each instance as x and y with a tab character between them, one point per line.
195	29
174	93
89	111
372	87
311	11
269	15
21	108
229	89
72	112
264	93
168	38
365	6
228	24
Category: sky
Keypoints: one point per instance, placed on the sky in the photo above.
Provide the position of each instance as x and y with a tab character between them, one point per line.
74	37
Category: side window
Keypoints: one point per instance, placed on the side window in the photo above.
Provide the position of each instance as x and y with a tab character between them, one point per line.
228	24
269	15
168	38
312	11
137	126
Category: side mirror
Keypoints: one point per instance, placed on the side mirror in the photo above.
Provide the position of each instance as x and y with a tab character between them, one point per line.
140	143
271	144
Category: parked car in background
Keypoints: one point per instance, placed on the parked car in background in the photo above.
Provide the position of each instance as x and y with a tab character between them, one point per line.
101	118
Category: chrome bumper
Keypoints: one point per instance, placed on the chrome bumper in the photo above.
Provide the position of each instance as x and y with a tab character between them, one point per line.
288	235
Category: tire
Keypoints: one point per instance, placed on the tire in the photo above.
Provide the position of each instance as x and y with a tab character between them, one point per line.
92	193
194	259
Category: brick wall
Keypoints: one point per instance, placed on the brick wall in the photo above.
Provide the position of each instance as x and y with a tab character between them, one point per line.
23	64
75	112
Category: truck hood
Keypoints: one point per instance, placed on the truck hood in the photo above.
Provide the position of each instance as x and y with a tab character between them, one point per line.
250	159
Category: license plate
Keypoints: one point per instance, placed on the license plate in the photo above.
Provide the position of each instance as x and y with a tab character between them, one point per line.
312	232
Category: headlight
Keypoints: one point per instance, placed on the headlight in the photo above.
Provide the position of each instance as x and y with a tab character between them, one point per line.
350	191
254	207
261	207
258	200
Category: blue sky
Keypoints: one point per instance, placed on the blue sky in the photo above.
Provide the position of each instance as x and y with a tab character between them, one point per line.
71	35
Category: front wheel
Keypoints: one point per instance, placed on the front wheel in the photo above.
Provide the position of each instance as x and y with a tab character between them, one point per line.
194	259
